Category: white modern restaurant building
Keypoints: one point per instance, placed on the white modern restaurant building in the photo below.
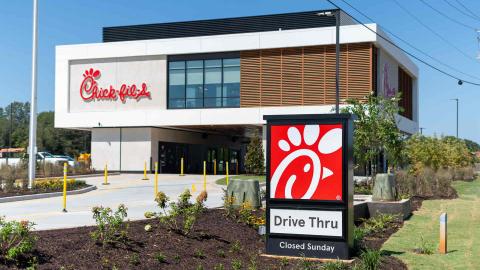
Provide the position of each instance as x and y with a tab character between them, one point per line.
200	89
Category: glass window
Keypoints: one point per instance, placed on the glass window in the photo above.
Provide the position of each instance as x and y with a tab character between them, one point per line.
213	79
209	83
194	102
177	65
195	64
194	81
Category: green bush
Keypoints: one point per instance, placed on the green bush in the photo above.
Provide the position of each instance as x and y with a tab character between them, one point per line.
254	158
16	239
424	247
52	185
335	265
182	214
370	259
436	153
111	227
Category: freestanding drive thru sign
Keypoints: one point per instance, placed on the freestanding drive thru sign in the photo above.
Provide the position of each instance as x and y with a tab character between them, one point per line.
310	185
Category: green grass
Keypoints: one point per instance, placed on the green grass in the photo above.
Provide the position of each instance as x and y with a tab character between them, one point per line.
463	232
223	181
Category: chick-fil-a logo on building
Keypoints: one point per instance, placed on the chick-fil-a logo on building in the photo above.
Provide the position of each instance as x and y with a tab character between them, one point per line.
90	91
306	162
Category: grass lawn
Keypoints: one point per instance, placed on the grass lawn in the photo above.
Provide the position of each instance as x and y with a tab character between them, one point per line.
463	232
223	181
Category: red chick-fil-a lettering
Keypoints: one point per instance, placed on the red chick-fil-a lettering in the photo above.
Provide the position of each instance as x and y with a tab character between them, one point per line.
90	91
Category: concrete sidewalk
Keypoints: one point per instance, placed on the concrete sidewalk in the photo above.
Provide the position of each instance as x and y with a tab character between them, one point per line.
129	189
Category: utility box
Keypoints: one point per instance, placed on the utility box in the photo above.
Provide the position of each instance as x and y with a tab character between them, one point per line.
245	191
384	188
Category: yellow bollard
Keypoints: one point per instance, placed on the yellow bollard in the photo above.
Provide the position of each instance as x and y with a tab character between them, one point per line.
156	180
181	167
204	175
145	171
194	189
105	176
64	187
214	167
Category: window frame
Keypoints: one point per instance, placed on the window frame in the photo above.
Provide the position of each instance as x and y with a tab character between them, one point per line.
203	57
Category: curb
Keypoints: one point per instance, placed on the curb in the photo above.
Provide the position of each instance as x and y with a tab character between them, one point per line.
45	195
79	176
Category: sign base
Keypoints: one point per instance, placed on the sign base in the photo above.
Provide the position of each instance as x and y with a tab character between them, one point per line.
306	258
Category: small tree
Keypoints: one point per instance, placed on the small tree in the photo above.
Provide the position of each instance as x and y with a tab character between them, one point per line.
376	129
254	159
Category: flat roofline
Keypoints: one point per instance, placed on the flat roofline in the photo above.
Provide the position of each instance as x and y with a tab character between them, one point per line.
232	25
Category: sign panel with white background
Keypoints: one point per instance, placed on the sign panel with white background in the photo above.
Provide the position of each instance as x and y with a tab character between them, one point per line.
306	222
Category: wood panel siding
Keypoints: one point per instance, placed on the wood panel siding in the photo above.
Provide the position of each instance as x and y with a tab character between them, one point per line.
305	75
405	86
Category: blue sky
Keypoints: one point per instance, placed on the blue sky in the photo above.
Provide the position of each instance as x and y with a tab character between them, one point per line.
70	22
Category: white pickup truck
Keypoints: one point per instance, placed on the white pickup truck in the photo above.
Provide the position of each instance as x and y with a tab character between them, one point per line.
42	157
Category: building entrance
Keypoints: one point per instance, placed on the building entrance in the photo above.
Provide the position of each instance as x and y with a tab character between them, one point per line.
170	154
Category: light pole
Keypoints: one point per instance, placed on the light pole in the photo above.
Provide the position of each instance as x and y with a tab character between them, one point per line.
32	153
456	99
421	130
10	132
336	14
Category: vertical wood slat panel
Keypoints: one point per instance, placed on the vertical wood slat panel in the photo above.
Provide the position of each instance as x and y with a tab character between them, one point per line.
250	68
292	88
314	75
305	75
271	72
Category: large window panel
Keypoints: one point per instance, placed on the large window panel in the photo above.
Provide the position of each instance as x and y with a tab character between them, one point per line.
194	80
209	83
176	84
231	82
213	83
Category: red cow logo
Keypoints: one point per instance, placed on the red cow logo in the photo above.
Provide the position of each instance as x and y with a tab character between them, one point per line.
306	162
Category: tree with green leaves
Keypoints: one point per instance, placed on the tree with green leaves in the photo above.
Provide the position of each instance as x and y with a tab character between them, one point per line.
376	130
254	158
14	121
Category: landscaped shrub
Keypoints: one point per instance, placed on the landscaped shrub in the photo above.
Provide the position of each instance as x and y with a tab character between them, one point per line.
52	185
111	227
371	226
426	183
335	265
424	247
16	239
247	215
254	158
370	259
244	213
9	175
182	215
432	152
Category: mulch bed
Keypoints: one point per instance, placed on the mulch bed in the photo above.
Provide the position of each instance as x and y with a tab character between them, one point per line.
216	240
20	192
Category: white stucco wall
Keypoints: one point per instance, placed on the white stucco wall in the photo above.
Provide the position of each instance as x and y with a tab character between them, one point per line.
136	148
106	148
144	61
115	72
